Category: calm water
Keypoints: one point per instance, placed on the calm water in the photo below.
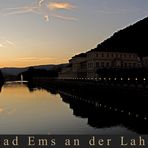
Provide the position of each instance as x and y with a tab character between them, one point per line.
40	112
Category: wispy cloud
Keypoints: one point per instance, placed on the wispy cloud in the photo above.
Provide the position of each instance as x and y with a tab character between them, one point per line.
1	110
34	59
5	42
21	10
41	2
1	45
43	8
10	42
60	5
64	17
46	17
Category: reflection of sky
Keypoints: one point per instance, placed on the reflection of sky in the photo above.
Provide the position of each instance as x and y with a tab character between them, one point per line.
43	31
22	112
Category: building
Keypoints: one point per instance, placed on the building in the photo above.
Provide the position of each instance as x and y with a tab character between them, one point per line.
79	65
145	62
110	60
87	65
66	72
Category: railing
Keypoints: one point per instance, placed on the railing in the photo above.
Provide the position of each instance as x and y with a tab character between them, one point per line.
105	79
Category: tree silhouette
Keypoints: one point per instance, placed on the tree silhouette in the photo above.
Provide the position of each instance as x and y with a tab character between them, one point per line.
130	39
1	77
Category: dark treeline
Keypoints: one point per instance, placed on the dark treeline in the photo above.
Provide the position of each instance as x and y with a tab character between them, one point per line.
38	73
130	39
1	78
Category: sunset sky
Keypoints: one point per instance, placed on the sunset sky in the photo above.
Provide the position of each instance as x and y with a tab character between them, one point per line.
36	32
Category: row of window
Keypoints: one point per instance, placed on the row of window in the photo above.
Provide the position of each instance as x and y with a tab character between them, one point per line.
108	64
113	55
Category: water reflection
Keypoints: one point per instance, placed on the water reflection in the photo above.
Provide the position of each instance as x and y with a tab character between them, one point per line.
30	109
32	87
1	84
40	112
102	116
107	108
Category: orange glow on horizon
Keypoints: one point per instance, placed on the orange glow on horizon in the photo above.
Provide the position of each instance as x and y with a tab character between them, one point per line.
26	63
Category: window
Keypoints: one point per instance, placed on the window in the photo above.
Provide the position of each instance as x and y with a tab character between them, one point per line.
134	64
107	64
97	64
102	64
125	64
90	65
130	64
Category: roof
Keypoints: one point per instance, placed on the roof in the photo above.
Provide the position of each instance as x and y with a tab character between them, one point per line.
80	55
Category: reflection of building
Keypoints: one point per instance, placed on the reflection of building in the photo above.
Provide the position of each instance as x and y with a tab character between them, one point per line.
86	65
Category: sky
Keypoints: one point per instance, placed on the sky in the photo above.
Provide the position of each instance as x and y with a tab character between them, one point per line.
37	32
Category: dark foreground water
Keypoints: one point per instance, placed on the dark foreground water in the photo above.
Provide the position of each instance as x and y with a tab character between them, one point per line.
23	111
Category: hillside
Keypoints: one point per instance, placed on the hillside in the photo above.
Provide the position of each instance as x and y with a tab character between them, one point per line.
130	39
16	71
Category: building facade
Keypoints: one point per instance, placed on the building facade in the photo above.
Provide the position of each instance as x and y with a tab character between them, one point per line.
145	62
87	65
66	73
79	65
110	60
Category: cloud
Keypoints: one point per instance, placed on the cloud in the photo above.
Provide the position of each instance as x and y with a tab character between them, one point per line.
46	17
4	43
1	110
64	17
60	5
1	45
43	8
34	59
10	42
41	2
21	10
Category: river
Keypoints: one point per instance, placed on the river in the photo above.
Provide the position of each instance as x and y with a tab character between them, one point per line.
23	111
